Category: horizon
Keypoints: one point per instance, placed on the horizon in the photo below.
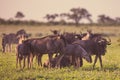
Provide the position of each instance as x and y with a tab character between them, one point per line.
37	9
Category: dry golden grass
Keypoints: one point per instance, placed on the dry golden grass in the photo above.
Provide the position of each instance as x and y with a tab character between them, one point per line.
46	29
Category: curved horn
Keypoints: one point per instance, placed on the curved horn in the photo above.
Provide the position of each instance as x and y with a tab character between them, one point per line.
108	40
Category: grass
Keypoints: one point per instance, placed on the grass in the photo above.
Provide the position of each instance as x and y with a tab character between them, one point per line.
111	61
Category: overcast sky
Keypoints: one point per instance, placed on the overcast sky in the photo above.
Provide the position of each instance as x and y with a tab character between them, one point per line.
37	9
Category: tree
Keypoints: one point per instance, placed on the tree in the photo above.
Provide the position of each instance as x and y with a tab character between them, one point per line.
51	17
2	21
77	14
19	15
103	19
118	20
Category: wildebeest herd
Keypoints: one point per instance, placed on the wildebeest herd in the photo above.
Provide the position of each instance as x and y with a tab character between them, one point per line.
69	48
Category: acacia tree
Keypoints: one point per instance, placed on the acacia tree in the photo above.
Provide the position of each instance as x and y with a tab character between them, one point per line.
117	19
19	15
105	19
77	14
109	20
2	21
101	18
62	18
51	17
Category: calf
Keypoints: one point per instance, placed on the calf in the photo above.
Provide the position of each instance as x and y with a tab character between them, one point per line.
65	62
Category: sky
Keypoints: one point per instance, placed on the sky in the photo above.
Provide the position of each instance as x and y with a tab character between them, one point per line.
37	9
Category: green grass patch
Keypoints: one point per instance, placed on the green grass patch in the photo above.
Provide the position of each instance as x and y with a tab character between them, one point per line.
111	61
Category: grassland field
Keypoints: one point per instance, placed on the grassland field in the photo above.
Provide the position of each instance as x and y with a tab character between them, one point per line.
111	61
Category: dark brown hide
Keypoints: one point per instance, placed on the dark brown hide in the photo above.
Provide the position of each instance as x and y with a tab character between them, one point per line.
23	52
77	52
95	46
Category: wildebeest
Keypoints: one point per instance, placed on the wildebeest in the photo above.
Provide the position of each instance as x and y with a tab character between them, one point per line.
95	46
23	52
21	32
76	52
9	39
65	62
46	45
55	32
50	44
87	35
67	38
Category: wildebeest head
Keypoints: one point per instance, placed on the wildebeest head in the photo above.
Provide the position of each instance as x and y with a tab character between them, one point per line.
85	55
69	37
55	32
102	43
21	32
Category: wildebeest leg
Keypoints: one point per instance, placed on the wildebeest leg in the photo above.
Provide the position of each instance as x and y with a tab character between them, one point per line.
11	47
24	59
95	61
73	60
70	60
77	61
50	59
20	62
17	61
40	60
100	61
31	60
3	47
81	62
28	61
8	48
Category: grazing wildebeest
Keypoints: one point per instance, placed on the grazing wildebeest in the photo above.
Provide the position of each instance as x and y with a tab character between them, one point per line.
77	53
65	62
95	46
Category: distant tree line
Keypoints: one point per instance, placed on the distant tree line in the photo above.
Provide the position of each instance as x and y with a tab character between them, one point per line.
75	15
